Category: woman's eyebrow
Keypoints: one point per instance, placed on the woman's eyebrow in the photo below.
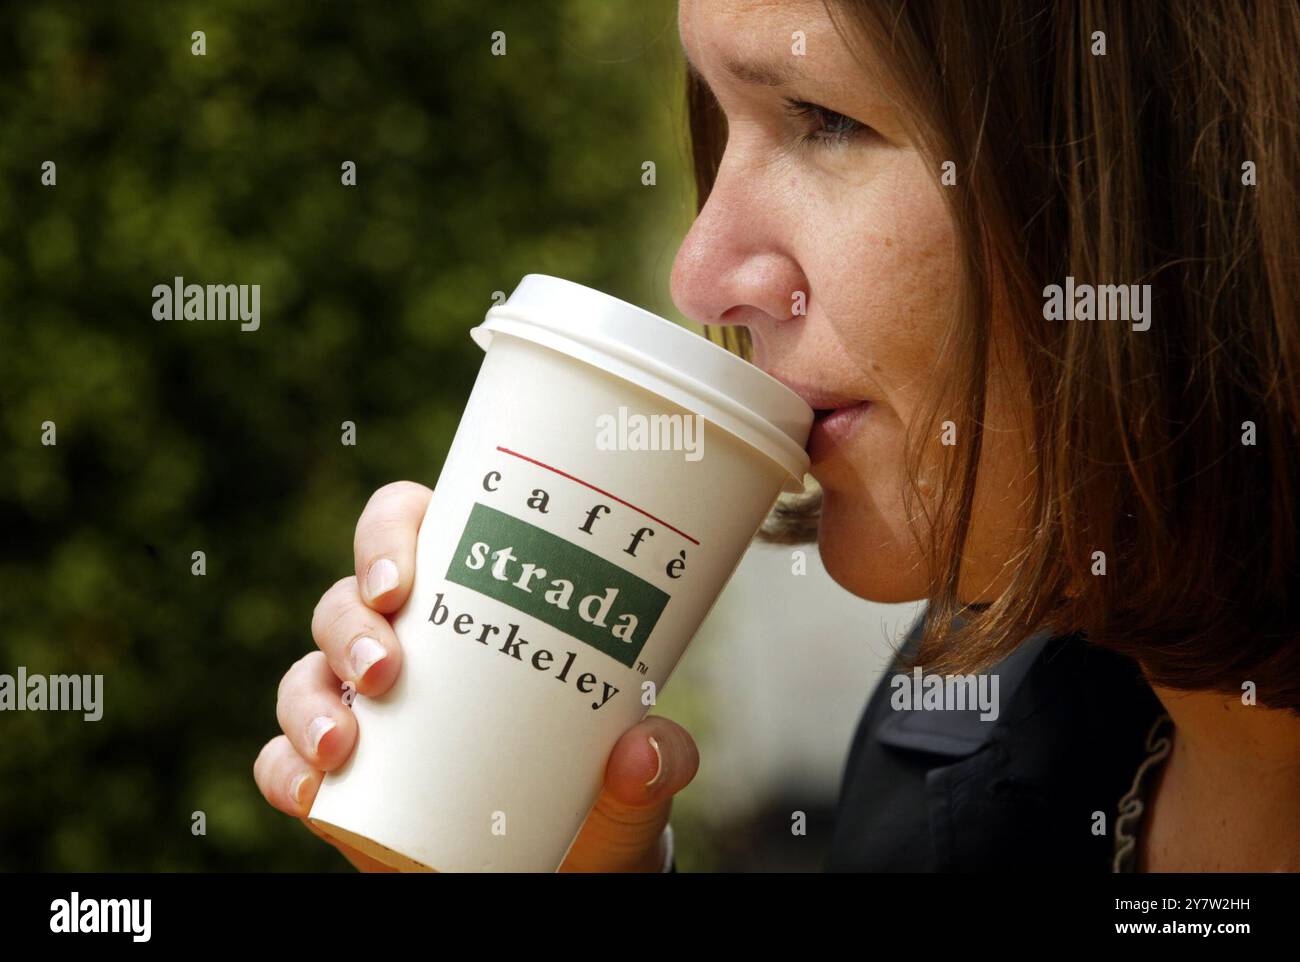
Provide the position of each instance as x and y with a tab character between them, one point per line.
767	73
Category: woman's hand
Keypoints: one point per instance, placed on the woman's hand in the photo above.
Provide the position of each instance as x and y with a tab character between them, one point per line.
357	644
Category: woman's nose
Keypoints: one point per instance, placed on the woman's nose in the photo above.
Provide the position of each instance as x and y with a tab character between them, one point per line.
734	265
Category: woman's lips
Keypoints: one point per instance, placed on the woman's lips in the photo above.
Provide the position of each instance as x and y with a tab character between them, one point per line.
835	416
834	427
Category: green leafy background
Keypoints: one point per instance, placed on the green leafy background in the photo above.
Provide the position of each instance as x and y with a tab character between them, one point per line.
177	436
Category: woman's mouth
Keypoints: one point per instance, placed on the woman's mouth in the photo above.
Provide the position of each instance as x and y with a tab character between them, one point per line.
835	417
832	427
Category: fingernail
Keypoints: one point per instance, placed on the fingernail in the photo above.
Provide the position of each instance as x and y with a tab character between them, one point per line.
381	577
320	726
660	770
366	652
295	787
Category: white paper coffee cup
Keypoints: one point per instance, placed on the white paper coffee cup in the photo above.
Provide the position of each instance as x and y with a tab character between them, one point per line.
521	669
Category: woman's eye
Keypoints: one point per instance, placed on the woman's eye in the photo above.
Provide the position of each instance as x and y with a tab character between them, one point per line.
829	128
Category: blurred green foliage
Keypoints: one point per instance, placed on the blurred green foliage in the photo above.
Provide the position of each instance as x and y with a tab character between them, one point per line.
181	436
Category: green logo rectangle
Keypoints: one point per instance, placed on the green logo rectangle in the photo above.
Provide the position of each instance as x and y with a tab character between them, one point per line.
570	588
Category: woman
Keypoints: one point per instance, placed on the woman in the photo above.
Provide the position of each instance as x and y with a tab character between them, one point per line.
1037	268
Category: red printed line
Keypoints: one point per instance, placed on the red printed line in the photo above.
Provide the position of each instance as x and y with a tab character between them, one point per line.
629	504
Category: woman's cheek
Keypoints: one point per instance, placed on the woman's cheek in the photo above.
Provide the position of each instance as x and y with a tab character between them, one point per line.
865	543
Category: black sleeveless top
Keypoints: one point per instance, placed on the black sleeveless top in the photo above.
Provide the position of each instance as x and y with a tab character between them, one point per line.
1039	787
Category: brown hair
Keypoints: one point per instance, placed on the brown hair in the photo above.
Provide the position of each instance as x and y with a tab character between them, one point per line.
1123	168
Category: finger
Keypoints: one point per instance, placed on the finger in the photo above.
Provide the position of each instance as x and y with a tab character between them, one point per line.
358	641
285	778
384	545
290	784
652	762
310	709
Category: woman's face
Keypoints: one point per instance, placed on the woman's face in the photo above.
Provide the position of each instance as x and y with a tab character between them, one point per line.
846	215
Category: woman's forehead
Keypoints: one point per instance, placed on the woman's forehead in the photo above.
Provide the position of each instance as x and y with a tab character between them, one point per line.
772	44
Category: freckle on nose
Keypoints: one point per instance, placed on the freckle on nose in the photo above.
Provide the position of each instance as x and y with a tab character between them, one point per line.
889	242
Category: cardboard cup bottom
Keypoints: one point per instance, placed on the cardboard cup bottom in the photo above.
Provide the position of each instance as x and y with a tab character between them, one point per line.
367	846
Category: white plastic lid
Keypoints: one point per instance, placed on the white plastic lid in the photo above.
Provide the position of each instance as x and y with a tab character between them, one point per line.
662	357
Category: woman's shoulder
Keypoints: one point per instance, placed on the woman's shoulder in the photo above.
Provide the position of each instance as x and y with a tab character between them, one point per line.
1018	766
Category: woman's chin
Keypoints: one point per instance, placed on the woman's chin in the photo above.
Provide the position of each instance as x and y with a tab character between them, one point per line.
861	554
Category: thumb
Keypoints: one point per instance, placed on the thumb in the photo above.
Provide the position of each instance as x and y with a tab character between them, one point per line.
653	761
649	764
